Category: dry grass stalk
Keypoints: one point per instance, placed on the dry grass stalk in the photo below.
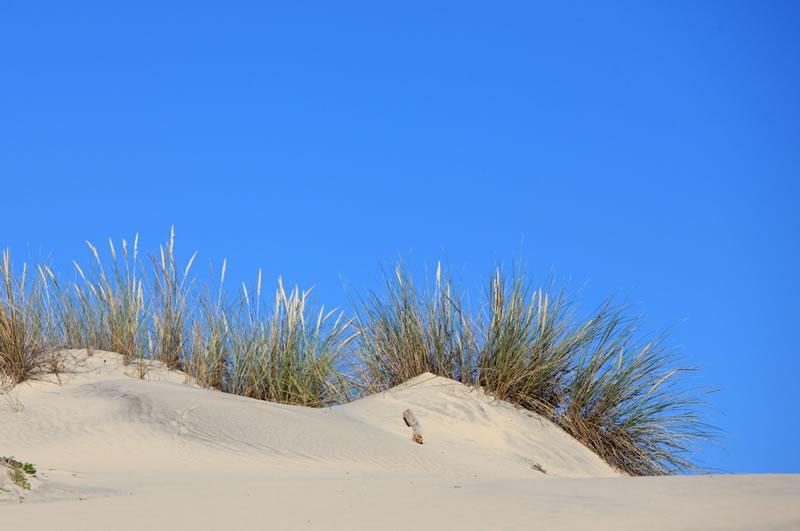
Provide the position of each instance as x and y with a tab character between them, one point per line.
24	345
290	354
172	292
622	397
530	350
108	312
405	332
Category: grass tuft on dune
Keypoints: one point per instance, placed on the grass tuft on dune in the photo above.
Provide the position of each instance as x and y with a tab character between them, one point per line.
621	394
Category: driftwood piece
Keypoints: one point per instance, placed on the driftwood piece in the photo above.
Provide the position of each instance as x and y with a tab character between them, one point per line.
412	422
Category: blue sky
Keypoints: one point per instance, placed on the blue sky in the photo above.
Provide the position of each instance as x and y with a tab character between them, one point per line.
646	150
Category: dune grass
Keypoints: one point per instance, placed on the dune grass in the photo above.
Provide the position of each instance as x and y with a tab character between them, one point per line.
621	394
288	353
18	471
627	403
10	462
171	294
24	322
528	343
107	312
405	331
211	342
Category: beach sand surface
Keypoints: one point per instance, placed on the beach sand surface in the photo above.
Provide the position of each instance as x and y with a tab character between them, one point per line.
114	451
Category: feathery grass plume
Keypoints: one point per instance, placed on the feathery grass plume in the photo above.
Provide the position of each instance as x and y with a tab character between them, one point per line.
24	344
392	333
49	310
627	401
450	331
171	295
623	398
528	344
290	354
404	332
211	340
109	312
68	325
78	315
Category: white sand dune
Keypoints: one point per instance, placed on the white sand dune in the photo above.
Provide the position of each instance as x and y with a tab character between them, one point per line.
118	452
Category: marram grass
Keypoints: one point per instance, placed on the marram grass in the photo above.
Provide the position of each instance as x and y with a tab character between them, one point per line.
405	331
528	344
24	324
106	311
287	352
171	304
622	395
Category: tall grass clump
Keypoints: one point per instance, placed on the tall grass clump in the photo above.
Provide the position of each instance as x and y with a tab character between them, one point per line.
627	400
211	346
107	312
69	327
171	294
25	344
596	375
528	343
290	354
405	332
620	395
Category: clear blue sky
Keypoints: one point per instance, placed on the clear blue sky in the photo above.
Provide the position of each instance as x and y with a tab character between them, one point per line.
649	151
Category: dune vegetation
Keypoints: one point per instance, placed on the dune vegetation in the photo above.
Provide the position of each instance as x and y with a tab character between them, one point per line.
622	395
18	471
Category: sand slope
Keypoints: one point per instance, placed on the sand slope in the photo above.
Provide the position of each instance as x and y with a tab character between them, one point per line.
118	452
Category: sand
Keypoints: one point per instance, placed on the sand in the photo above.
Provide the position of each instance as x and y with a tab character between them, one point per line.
118	452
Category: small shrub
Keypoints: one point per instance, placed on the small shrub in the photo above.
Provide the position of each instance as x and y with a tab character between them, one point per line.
19	479
18	470
28	468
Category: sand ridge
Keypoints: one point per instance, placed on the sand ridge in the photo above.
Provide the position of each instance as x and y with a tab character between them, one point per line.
131	447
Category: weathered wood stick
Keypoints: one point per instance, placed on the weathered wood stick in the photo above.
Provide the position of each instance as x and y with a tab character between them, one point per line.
413	423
